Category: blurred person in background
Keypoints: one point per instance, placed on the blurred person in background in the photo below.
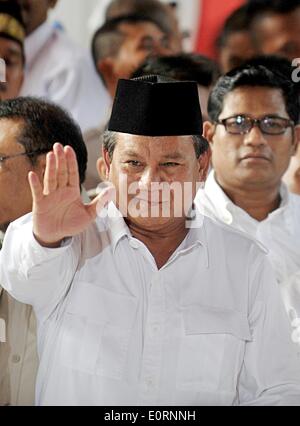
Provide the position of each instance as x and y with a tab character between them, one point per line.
28	130
57	69
253	133
163	13
118	48
275	30
12	35
234	44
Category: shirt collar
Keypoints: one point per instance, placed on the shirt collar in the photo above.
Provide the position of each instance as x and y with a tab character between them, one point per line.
36	40
117	228
114	224
227	208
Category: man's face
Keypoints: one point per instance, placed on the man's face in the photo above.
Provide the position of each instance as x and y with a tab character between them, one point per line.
279	34
15	199
11	53
238	49
253	160
34	12
141	40
142	163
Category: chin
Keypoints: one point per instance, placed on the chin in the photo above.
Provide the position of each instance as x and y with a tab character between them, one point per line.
151	223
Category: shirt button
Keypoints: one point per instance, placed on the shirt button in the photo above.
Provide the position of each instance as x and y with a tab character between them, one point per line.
227	218
16	359
149	383
155	328
134	244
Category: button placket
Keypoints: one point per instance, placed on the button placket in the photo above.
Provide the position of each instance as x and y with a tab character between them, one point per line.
153	342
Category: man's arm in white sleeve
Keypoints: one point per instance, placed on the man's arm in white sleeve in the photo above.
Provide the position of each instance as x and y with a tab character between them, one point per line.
271	370
33	274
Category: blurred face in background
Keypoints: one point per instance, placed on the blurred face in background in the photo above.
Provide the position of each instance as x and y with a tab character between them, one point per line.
16	199
279	34
12	54
35	12
237	49
141	40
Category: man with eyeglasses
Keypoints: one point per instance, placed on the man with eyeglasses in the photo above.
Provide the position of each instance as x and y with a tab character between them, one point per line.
28	129
253	134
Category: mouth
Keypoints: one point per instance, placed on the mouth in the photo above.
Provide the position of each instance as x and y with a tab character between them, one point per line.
255	157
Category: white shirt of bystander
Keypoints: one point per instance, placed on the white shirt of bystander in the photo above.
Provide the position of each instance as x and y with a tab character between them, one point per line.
62	72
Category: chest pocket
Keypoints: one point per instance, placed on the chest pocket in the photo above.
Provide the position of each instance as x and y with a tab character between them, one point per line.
96	330
212	348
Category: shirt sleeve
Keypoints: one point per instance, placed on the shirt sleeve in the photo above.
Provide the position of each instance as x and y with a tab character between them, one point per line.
271	369
33	274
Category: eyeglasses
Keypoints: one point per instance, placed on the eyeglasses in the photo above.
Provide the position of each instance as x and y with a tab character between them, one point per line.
3	158
269	125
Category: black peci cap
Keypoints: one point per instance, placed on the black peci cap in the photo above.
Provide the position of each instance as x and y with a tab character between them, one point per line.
156	106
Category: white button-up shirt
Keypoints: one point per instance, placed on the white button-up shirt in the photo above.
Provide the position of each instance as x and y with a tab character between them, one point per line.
208	328
279	233
62	72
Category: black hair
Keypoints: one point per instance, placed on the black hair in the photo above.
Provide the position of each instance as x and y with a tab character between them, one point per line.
183	67
238	21
108	39
45	124
259	9
271	72
153	9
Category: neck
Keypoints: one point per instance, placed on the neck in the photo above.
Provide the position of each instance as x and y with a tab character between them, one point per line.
162	241
257	202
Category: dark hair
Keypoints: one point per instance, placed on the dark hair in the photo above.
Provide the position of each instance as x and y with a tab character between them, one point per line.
110	139
238	21
44	124
271	72
108	39
184	67
258	9
152	9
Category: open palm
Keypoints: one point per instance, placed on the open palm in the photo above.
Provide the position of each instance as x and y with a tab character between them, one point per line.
58	210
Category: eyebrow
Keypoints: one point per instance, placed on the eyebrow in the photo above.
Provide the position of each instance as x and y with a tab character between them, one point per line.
14	52
173	156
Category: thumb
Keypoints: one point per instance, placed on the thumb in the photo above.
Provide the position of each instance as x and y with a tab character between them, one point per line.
101	201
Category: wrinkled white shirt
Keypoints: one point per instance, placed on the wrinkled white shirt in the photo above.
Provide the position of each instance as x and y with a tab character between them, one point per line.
279	233
208	328
60	71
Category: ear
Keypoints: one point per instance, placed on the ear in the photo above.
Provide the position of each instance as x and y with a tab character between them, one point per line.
104	164
40	167
204	162
209	131
102	169
106	68
296	141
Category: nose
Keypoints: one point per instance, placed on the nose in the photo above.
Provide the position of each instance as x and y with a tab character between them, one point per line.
255	137
149	176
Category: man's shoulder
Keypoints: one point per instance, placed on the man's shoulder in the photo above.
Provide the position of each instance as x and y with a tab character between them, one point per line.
295	200
234	239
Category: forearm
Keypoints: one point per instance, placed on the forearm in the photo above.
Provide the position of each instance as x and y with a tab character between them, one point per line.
34	274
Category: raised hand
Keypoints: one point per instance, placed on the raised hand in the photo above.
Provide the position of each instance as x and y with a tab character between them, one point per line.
58	211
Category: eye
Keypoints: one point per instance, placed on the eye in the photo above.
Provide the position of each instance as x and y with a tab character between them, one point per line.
134	163
170	164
